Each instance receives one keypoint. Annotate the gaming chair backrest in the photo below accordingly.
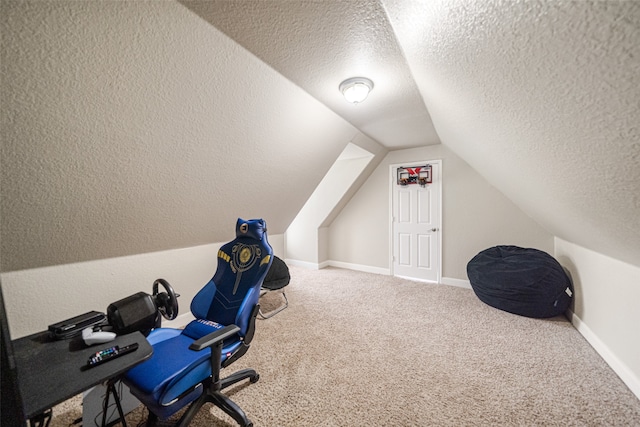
(232, 293)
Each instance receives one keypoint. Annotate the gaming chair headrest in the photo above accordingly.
(253, 228)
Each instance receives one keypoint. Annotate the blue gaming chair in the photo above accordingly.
(185, 366)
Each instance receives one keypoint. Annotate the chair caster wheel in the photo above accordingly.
(254, 379)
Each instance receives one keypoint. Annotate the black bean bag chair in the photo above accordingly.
(523, 281)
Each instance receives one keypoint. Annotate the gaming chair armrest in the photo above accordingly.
(214, 337)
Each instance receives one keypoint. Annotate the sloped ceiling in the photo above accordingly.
(106, 153)
(540, 97)
(318, 44)
(133, 127)
(543, 99)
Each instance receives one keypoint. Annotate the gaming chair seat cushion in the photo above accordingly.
(523, 281)
(156, 384)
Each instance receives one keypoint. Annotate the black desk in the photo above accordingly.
(50, 372)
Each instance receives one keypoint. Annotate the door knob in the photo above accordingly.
(434, 229)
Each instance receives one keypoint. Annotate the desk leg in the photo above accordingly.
(41, 420)
(111, 389)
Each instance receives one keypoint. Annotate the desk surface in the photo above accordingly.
(52, 371)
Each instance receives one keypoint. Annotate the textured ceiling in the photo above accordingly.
(318, 44)
(130, 127)
(540, 97)
(543, 99)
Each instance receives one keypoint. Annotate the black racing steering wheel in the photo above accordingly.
(167, 302)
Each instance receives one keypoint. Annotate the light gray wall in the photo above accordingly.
(605, 307)
(475, 216)
(303, 239)
(38, 297)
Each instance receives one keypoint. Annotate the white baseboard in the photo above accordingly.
(369, 269)
(359, 267)
(625, 374)
(339, 264)
(415, 279)
(304, 264)
(456, 282)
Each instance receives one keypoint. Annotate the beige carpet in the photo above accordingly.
(359, 349)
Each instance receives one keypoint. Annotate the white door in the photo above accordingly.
(416, 225)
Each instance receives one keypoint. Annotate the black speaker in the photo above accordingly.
(133, 313)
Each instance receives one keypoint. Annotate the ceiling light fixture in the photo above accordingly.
(356, 89)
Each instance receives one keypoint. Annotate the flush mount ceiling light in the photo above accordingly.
(356, 89)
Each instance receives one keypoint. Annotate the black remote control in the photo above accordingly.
(110, 354)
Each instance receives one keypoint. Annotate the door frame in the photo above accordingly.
(392, 182)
